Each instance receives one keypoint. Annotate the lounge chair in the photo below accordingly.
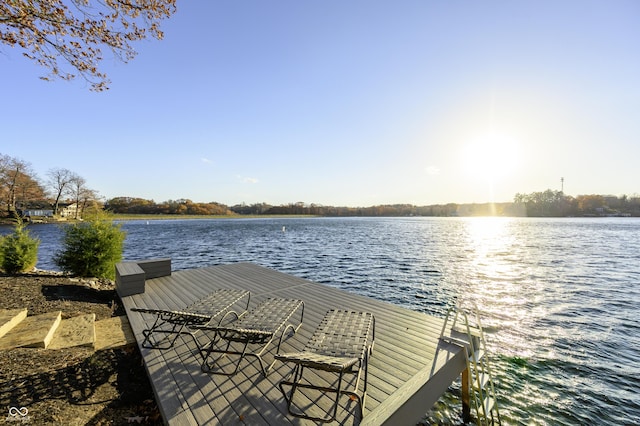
(253, 332)
(173, 323)
(342, 344)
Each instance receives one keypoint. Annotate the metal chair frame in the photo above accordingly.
(342, 344)
(173, 323)
(268, 321)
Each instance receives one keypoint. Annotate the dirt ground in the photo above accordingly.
(75, 386)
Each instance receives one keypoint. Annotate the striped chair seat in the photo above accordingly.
(270, 319)
(172, 323)
(342, 343)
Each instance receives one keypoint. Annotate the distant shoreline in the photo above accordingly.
(119, 217)
(127, 217)
(143, 217)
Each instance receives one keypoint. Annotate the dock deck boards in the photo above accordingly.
(409, 370)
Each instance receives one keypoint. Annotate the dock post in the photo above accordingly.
(466, 396)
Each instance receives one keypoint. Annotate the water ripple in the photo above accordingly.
(562, 293)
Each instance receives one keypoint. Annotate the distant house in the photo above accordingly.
(36, 215)
(69, 210)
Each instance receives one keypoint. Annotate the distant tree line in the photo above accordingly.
(301, 208)
(537, 204)
(551, 203)
(130, 205)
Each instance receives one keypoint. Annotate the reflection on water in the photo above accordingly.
(563, 293)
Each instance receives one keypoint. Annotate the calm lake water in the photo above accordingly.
(564, 294)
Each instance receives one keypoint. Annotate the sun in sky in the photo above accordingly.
(490, 158)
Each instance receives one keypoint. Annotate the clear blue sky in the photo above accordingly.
(352, 103)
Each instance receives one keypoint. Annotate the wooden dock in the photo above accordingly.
(409, 370)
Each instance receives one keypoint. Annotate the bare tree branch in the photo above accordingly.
(67, 37)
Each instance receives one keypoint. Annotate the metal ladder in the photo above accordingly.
(462, 326)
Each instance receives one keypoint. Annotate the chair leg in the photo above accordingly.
(297, 375)
(208, 367)
(148, 343)
(206, 352)
(208, 349)
(296, 384)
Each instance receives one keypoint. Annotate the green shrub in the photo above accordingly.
(19, 251)
(91, 248)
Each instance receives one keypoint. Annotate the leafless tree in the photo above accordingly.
(60, 181)
(77, 188)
